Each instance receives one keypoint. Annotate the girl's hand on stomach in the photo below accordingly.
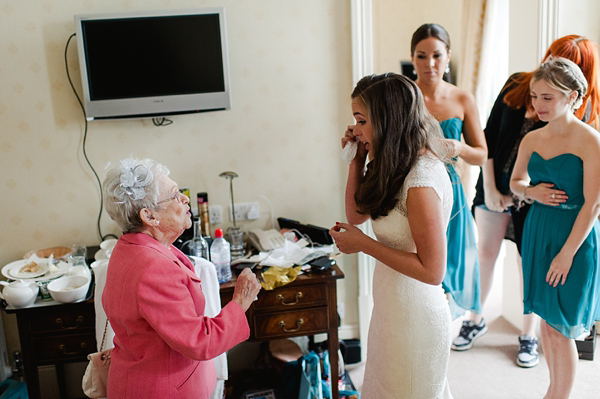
(545, 194)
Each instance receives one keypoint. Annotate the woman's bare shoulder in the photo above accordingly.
(535, 137)
(463, 97)
(588, 139)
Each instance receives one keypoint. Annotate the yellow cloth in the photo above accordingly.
(276, 276)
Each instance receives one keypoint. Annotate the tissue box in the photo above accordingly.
(586, 346)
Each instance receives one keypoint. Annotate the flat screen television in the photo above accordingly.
(153, 64)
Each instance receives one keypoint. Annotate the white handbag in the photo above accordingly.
(95, 379)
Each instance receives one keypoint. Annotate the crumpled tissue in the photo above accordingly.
(349, 151)
(287, 256)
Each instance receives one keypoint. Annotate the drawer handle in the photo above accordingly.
(79, 320)
(298, 324)
(297, 297)
(62, 348)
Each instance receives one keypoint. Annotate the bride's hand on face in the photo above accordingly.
(348, 238)
(361, 152)
(348, 135)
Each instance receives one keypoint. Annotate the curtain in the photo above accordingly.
(483, 68)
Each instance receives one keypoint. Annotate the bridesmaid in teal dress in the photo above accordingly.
(456, 111)
(462, 276)
(558, 169)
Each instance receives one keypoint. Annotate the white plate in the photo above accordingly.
(61, 269)
(15, 270)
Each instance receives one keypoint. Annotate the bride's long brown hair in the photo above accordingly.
(402, 129)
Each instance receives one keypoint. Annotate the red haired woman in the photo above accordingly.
(495, 209)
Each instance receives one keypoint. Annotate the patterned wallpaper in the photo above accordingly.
(290, 66)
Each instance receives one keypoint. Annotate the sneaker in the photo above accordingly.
(528, 351)
(468, 333)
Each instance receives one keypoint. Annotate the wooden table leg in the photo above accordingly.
(332, 340)
(334, 362)
(61, 379)
(29, 367)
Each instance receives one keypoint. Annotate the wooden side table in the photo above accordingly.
(65, 333)
(306, 306)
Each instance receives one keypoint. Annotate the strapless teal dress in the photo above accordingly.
(462, 272)
(573, 307)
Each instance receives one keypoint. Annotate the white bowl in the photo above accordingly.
(69, 288)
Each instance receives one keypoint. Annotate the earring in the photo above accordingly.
(447, 70)
(414, 71)
(157, 223)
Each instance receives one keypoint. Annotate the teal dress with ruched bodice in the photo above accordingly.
(573, 307)
(462, 271)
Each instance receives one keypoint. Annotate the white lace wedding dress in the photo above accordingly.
(409, 334)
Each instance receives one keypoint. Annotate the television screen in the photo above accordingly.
(152, 64)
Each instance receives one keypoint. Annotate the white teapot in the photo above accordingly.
(19, 294)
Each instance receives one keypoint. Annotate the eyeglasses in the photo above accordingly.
(176, 197)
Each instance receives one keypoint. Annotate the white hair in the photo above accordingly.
(130, 187)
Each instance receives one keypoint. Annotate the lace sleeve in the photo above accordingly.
(427, 172)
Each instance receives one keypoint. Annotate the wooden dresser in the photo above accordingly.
(306, 306)
(65, 333)
(55, 335)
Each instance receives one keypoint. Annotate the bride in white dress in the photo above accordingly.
(406, 192)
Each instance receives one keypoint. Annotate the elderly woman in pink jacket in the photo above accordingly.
(164, 345)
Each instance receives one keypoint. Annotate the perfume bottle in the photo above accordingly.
(203, 214)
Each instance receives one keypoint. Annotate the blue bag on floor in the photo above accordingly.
(326, 376)
(310, 377)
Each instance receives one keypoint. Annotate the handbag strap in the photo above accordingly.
(104, 336)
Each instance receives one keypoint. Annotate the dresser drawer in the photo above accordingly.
(290, 323)
(59, 319)
(286, 298)
(66, 347)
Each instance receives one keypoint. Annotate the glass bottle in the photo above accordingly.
(198, 246)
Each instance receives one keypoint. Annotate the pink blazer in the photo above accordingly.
(163, 343)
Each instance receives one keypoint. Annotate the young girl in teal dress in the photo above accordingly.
(456, 112)
(558, 169)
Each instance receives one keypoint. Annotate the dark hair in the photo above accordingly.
(429, 30)
(402, 128)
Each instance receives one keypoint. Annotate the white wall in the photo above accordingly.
(395, 21)
(579, 17)
(291, 81)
